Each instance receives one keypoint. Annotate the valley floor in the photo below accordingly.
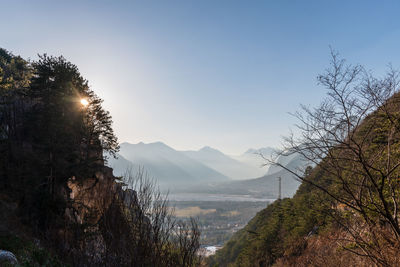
(218, 219)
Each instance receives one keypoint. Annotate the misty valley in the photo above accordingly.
(222, 191)
(199, 133)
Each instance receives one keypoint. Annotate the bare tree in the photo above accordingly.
(352, 138)
(142, 230)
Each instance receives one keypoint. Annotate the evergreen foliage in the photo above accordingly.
(53, 134)
(46, 135)
(278, 229)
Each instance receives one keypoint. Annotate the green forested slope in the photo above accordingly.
(347, 206)
(278, 228)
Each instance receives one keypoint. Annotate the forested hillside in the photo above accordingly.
(277, 231)
(346, 210)
(59, 204)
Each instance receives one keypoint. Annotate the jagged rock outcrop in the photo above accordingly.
(90, 197)
(96, 205)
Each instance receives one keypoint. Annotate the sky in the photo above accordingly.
(225, 74)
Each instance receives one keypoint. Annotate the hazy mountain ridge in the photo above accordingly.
(208, 170)
(175, 170)
(262, 187)
(168, 166)
(225, 164)
(254, 157)
(294, 160)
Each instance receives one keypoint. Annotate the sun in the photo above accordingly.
(84, 102)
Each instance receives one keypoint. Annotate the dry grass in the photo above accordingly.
(231, 213)
(193, 211)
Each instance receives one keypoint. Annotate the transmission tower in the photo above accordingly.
(280, 187)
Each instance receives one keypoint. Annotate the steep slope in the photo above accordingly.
(327, 222)
(167, 166)
(224, 164)
(59, 204)
(280, 228)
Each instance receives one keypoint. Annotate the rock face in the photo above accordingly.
(7, 257)
(90, 197)
(92, 203)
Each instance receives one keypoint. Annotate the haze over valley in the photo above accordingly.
(208, 170)
(223, 191)
(199, 133)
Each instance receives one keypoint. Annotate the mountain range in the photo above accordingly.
(243, 167)
(166, 165)
(207, 170)
(266, 186)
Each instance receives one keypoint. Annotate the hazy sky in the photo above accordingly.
(193, 73)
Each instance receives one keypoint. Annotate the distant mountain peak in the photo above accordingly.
(158, 143)
(262, 150)
(250, 151)
(125, 144)
(208, 148)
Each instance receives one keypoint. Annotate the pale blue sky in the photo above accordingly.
(193, 73)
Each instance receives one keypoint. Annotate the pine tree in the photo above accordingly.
(72, 136)
(15, 74)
